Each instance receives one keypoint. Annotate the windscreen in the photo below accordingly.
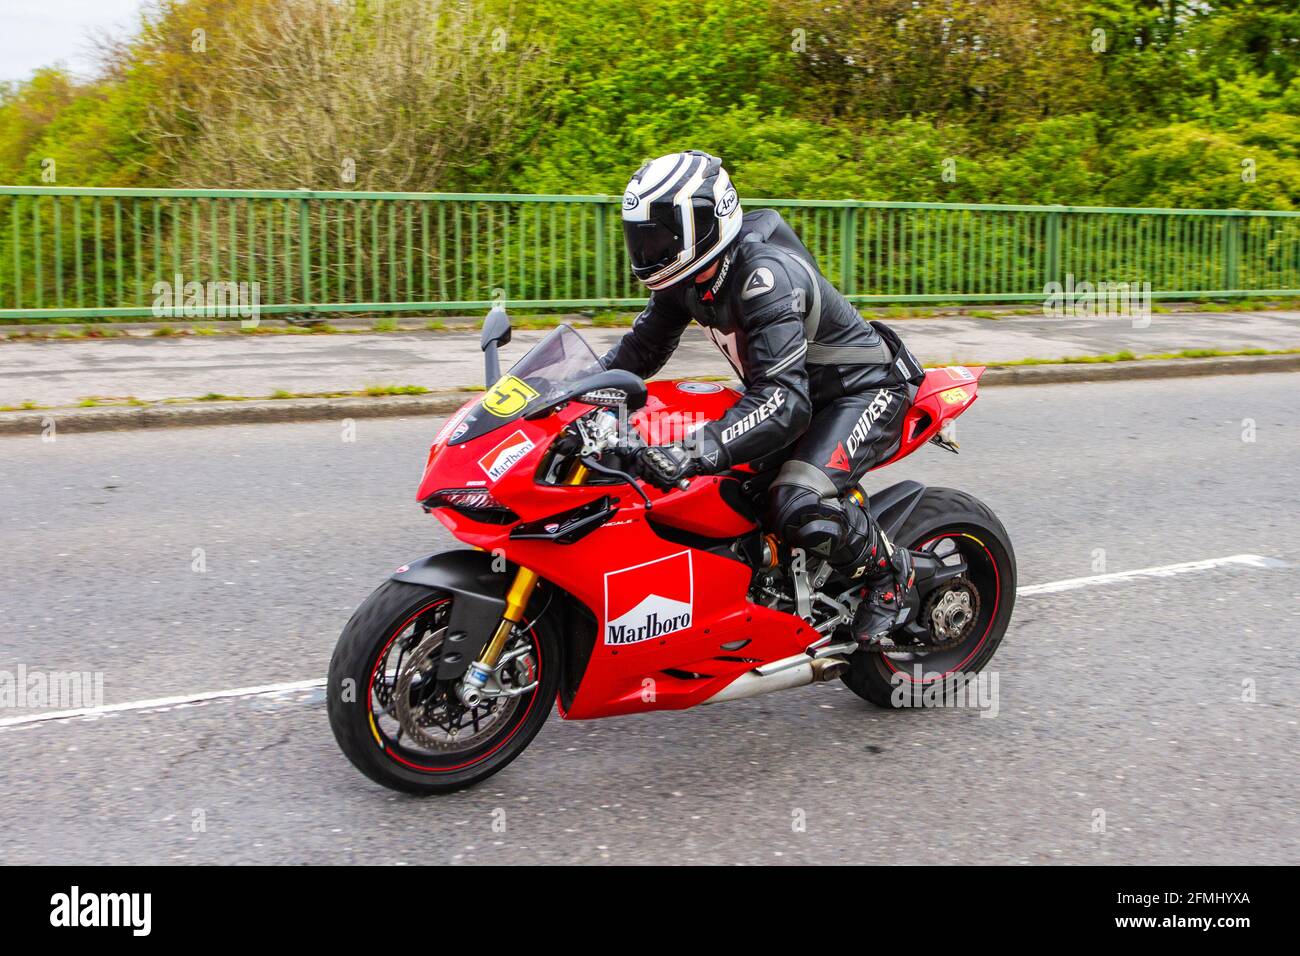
(560, 358)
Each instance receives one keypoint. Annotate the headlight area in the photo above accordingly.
(477, 504)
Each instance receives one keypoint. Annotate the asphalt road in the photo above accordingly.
(1124, 698)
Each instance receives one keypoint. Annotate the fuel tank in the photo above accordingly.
(673, 409)
(713, 506)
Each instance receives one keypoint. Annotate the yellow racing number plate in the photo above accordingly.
(954, 396)
(508, 396)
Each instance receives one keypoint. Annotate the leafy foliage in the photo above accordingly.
(1133, 102)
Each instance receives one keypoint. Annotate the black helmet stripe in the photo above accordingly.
(651, 193)
(670, 183)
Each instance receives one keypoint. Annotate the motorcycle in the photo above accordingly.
(585, 586)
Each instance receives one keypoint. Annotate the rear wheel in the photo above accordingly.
(405, 729)
(973, 610)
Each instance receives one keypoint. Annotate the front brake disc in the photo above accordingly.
(430, 715)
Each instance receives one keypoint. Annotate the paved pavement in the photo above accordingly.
(1123, 698)
(63, 373)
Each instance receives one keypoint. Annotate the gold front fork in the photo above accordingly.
(517, 598)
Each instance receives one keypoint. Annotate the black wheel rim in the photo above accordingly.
(481, 731)
(982, 572)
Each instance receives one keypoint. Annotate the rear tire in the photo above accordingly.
(961, 518)
(385, 616)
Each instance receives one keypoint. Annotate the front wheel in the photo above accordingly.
(405, 729)
(951, 526)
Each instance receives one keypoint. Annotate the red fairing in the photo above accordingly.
(944, 394)
(674, 624)
(674, 409)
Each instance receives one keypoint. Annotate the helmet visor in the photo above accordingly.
(653, 243)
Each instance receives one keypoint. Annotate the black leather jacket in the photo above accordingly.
(795, 342)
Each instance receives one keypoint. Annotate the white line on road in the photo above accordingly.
(163, 702)
(1163, 571)
(1051, 587)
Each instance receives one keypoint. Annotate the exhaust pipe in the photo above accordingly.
(794, 671)
(752, 683)
(828, 668)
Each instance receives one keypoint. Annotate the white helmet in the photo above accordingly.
(680, 212)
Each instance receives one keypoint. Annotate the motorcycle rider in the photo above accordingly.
(824, 391)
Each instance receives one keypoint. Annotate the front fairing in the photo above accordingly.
(561, 357)
(504, 462)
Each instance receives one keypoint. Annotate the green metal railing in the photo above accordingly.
(81, 253)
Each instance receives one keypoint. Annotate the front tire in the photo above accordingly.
(386, 718)
(946, 521)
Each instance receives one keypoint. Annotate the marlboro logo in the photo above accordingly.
(506, 455)
(649, 600)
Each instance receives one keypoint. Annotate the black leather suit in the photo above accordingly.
(824, 390)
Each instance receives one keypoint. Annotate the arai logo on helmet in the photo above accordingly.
(726, 205)
(630, 200)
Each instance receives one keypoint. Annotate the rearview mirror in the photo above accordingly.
(496, 332)
(496, 328)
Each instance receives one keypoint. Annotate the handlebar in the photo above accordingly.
(617, 379)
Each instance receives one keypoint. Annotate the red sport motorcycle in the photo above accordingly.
(587, 587)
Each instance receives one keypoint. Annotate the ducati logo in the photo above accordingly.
(506, 455)
(649, 600)
(452, 428)
(759, 281)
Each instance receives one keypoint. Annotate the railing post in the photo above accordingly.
(848, 248)
(1231, 252)
(1053, 264)
(600, 250)
(304, 246)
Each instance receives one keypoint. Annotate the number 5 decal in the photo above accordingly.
(508, 396)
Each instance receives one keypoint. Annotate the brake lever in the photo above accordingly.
(605, 470)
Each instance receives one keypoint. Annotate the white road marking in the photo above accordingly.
(162, 703)
(265, 690)
(1163, 571)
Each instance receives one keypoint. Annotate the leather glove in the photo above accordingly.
(665, 465)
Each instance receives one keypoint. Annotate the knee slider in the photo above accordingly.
(860, 543)
(805, 520)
